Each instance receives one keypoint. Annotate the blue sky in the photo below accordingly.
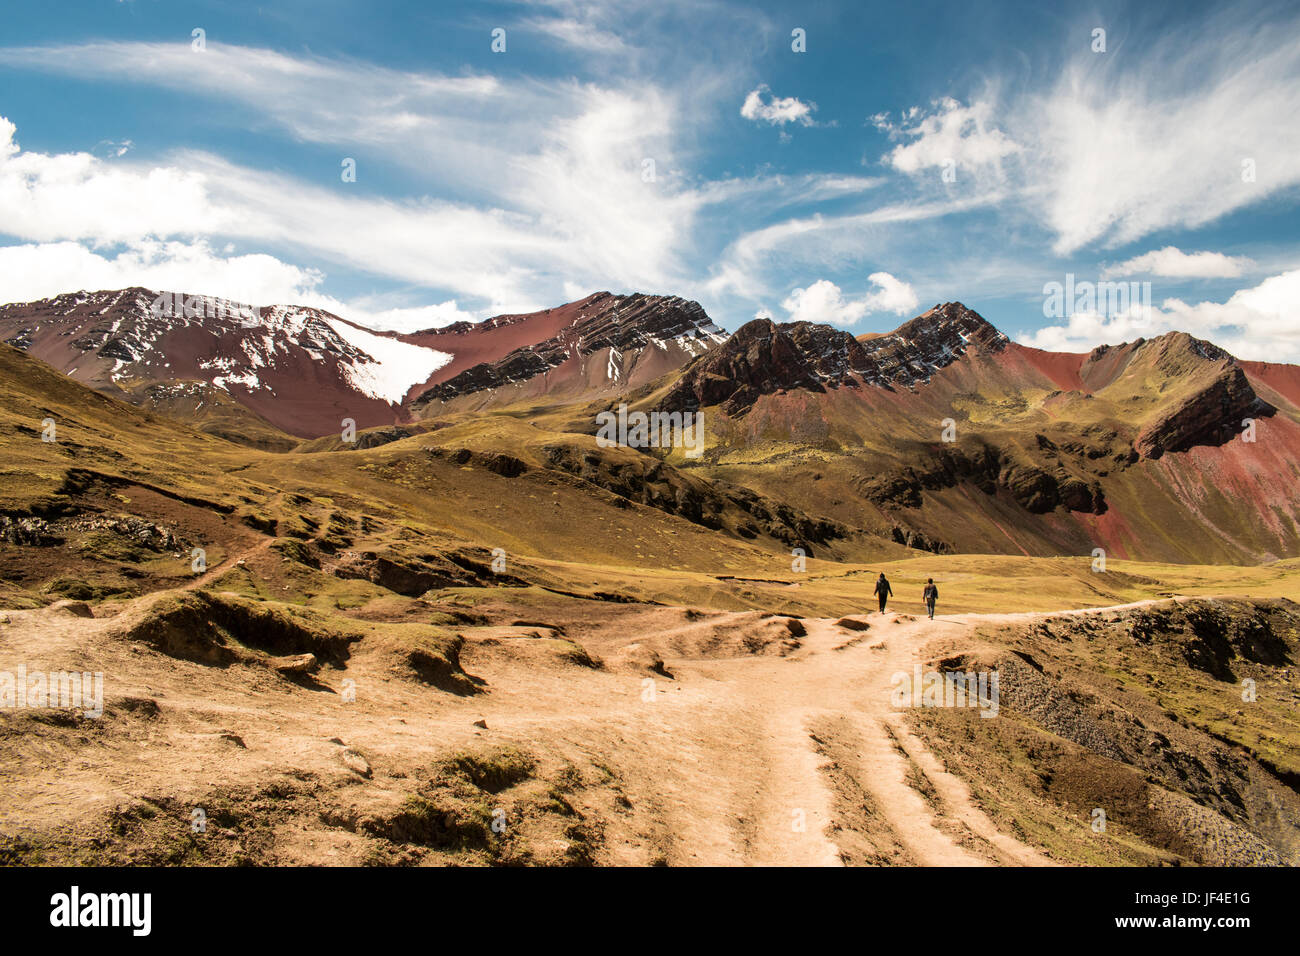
(910, 154)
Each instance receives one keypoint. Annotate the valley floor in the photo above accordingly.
(587, 732)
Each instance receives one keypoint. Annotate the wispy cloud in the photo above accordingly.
(1174, 135)
(577, 34)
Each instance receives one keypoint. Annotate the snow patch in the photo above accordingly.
(247, 379)
(395, 366)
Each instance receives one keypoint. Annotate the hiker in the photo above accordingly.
(883, 591)
(929, 596)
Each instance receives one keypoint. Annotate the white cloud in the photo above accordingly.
(1261, 323)
(574, 291)
(776, 110)
(1083, 331)
(893, 295)
(546, 175)
(408, 319)
(948, 134)
(1117, 146)
(37, 271)
(1174, 263)
(824, 301)
(78, 196)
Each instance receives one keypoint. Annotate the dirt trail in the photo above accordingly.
(836, 744)
(754, 759)
(232, 561)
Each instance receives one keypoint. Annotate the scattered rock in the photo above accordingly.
(235, 739)
(481, 723)
(354, 761)
(852, 624)
(294, 664)
(29, 531)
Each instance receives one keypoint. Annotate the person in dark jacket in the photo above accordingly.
(883, 591)
(929, 596)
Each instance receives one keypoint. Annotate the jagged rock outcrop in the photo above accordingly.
(919, 540)
(764, 357)
(1035, 488)
(914, 351)
(1211, 415)
(712, 504)
(620, 324)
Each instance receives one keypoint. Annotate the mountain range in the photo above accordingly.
(942, 435)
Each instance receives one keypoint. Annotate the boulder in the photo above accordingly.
(73, 608)
(294, 664)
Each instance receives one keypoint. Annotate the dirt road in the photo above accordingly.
(799, 759)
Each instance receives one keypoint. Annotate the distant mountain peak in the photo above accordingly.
(943, 321)
(764, 357)
(601, 341)
(1169, 345)
(302, 369)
